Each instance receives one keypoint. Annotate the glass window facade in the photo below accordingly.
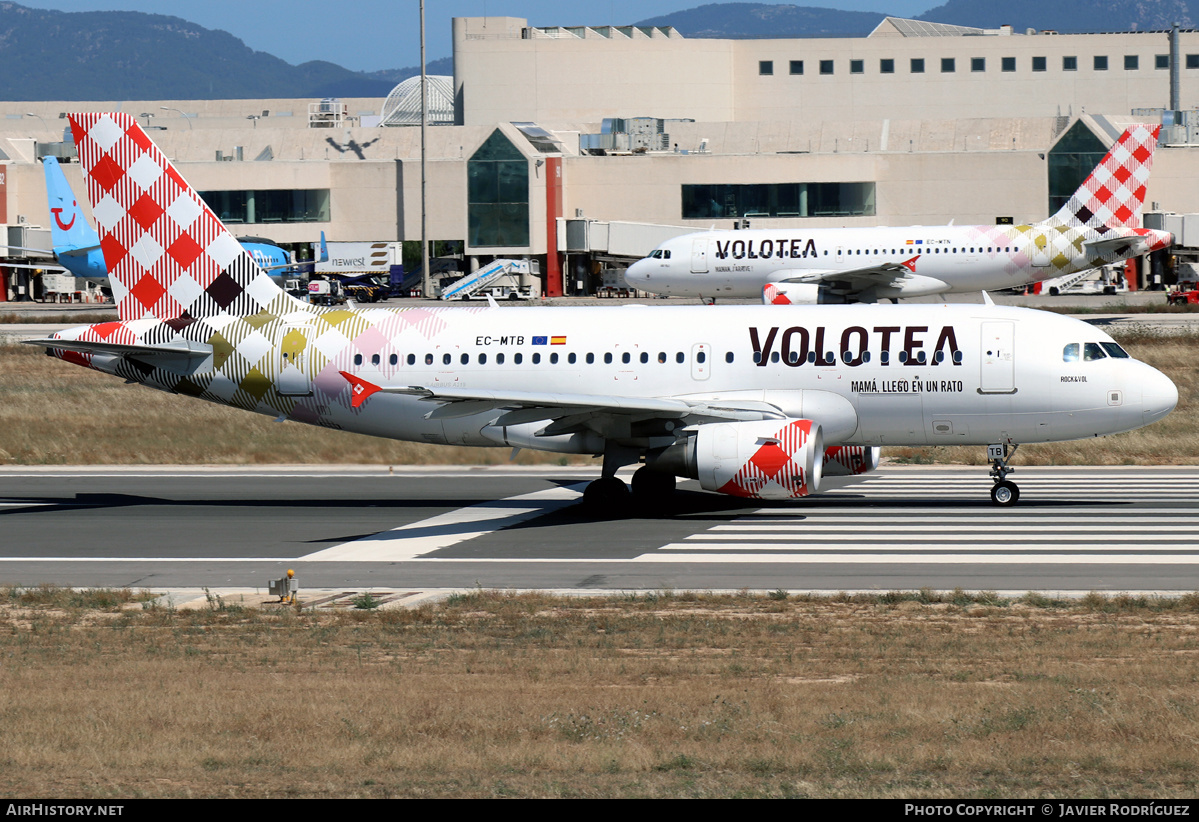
(1071, 160)
(497, 195)
(304, 205)
(706, 202)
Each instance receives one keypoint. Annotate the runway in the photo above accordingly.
(1075, 530)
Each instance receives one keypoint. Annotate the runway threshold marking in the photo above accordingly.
(417, 538)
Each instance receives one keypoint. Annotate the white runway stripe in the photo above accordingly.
(925, 559)
(412, 540)
(883, 533)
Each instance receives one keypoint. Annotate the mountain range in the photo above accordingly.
(121, 55)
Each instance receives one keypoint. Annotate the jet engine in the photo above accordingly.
(768, 459)
(850, 460)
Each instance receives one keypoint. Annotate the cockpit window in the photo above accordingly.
(1092, 351)
(1114, 350)
(1070, 353)
(656, 254)
(666, 254)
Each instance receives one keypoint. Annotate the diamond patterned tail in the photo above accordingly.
(167, 254)
(1112, 196)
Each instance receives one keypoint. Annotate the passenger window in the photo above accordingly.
(465, 359)
(884, 357)
(428, 359)
(482, 359)
(1070, 353)
(679, 357)
(701, 357)
(957, 357)
(661, 356)
(811, 357)
(446, 359)
(393, 359)
(1092, 351)
(625, 357)
(499, 359)
(608, 358)
(517, 358)
(412, 359)
(793, 357)
(537, 358)
(757, 357)
(773, 357)
(374, 359)
(554, 359)
(570, 358)
(728, 357)
(644, 356)
(1114, 350)
(357, 359)
(590, 359)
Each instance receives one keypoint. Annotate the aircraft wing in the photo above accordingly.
(178, 348)
(858, 278)
(568, 411)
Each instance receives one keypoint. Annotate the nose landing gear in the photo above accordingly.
(1004, 492)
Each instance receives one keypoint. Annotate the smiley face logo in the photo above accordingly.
(57, 212)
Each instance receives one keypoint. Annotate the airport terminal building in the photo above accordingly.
(583, 147)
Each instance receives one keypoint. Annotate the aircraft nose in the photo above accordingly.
(635, 274)
(1158, 395)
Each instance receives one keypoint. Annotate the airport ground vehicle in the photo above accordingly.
(1187, 293)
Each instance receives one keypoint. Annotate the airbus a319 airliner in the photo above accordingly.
(1100, 224)
(753, 401)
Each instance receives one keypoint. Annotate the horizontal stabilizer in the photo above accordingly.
(177, 348)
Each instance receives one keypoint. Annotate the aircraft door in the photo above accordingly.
(699, 256)
(701, 361)
(1040, 249)
(998, 360)
(293, 362)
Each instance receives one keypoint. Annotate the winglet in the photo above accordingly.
(360, 389)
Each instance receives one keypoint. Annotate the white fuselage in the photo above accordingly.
(935, 259)
(869, 374)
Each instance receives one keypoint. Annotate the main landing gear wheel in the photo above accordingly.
(606, 495)
(652, 489)
(1005, 493)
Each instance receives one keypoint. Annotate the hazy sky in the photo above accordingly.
(367, 35)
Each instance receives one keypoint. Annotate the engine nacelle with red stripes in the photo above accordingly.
(768, 459)
(850, 460)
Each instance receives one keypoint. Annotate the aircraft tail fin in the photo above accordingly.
(1114, 193)
(69, 229)
(168, 256)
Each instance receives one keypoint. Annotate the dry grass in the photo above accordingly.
(54, 413)
(664, 695)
